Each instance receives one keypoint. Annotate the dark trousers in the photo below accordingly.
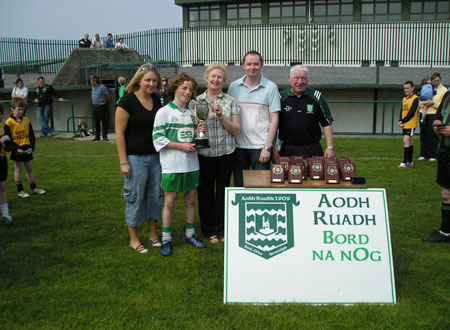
(215, 175)
(305, 151)
(428, 139)
(246, 159)
(100, 116)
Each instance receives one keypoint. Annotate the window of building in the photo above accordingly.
(333, 11)
(244, 14)
(208, 15)
(429, 10)
(381, 11)
(287, 12)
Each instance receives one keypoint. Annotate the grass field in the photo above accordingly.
(65, 263)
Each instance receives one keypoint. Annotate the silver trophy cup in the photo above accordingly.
(201, 109)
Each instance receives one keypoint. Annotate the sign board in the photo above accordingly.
(316, 246)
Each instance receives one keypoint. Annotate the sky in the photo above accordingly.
(71, 19)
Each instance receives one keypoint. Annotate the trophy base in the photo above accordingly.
(202, 143)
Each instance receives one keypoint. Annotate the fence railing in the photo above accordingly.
(396, 43)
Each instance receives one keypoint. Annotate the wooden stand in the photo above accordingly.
(261, 179)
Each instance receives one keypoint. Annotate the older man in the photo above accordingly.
(100, 96)
(303, 112)
(85, 42)
(259, 103)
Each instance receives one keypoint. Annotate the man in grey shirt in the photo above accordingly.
(100, 96)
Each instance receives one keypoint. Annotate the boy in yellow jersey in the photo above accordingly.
(408, 122)
(20, 131)
(7, 219)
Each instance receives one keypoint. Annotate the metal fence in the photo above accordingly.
(355, 44)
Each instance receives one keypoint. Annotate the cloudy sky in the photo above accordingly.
(70, 19)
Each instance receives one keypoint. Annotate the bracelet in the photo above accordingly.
(330, 147)
(123, 163)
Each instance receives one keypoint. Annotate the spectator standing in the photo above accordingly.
(139, 161)
(428, 138)
(20, 91)
(216, 162)
(442, 128)
(100, 96)
(163, 95)
(44, 100)
(109, 43)
(2, 77)
(122, 81)
(259, 103)
(85, 42)
(4, 207)
(120, 44)
(96, 42)
(408, 122)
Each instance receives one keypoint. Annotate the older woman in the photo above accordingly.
(139, 161)
(20, 91)
(216, 162)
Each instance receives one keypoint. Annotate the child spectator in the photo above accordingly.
(426, 93)
(408, 122)
(7, 219)
(20, 131)
(173, 138)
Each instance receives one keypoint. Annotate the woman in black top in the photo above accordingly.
(139, 161)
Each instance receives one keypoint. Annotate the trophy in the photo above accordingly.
(201, 109)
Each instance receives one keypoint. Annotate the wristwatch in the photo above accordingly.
(269, 149)
(330, 147)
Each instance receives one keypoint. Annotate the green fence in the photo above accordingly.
(354, 44)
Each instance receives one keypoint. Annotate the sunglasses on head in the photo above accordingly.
(149, 67)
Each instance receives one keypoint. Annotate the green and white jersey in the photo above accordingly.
(175, 125)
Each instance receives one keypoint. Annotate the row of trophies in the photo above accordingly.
(297, 168)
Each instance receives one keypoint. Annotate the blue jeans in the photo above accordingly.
(142, 192)
(43, 115)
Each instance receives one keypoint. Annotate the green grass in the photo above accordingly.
(65, 263)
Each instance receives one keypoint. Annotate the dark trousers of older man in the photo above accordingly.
(428, 139)
(101, 116)
(246, 159)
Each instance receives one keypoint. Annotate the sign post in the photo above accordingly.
(315, 246)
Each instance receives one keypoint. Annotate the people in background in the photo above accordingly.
(216, 162)
(44, 100)
(100, 97)
(96, 42)
(408, 122)
(20, 132)
(122, 81)
(163, 95)
(85, 42)
(4, 139)
(442, 129)
(120, 44)
(2, 77)
(20, 91)
(428, 138)
(259, 102)
(139, 161)
(304, 114)
(173, 138)
(109, 43)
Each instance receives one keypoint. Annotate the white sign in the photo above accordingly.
(307, 246)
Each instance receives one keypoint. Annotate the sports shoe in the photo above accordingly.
(436, 237)
(38, 191)
(96, 139)
(7, 219)
(166, 248)
(432, 159)
(105, 139)
(195, 241)
(410, 164)
(421, 158)
(23, 194)
(402, 165)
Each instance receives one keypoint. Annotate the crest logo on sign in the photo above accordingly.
(266, 226)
